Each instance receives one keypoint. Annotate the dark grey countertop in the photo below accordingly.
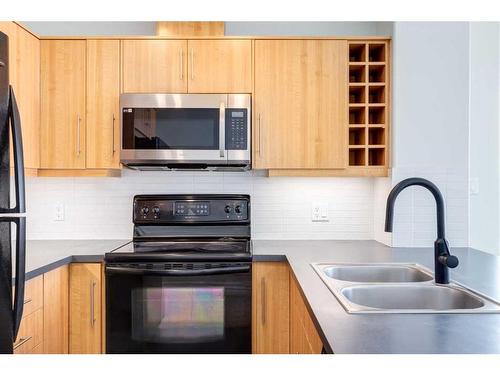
(45, 255)
(342, 332)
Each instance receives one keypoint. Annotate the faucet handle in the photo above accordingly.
(451, 261)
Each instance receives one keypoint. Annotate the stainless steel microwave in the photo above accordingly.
(186, 131)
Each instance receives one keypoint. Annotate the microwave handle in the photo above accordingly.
(222, 129)
(210, 271)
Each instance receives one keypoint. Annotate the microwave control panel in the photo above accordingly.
(236, 129)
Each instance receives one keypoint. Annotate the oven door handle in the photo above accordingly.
(210, 271)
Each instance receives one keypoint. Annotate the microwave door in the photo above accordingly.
(176, 135)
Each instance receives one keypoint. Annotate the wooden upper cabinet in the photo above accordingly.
(24, 76)
(270, 301)
(62, 141)
(85, 326)
(155, 66)
(103, 94)
(220, 66)
(300, 108)
(27, 91)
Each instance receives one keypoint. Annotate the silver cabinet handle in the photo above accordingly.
(181, 70)
(22, 340)
(78, 120)
(192, 64)
(113, 134)
(259, 137)
(2, 64)
(222, 129)
(263, 302)
(92, 309)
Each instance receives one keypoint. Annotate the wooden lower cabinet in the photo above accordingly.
(270, 318)
(85, 326)
(30, 333)
(280, 321)
(56, 310)
(304, 338)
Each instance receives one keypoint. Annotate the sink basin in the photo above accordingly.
(398, 288)
(377, 273)
(412, 297)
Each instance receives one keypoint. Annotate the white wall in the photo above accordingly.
(484, 135)
(281, 207)
(304, 28)
(44, 28)
(430, 128)
(231, 28)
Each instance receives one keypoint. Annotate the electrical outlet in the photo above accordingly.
(59, 212)
(319, 211)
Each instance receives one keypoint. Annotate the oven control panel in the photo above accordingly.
(236, 129)
(176, 209)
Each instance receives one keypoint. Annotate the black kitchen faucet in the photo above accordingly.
(442, 257)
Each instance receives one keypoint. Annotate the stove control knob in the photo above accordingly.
(145, 210)
(237, 209)
(227, 209)
(156, 210)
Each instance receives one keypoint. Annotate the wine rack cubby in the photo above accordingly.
(368, 103)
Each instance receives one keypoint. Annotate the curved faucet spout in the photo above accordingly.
(416, 181)
(442, 257)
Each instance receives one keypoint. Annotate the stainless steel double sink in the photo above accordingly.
(399, 288)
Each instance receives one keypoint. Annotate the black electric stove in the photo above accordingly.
(183, 285)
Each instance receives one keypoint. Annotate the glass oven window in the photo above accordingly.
(177, 314)
(171, 128)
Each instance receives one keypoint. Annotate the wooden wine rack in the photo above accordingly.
(368, 98)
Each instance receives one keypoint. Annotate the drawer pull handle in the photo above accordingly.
(27, 301)
(22, 340)
(113, 149)
(92, 309)
(78, 148)
(263, 294)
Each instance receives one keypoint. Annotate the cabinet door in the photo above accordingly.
(24, 76)
(85, 308)
(56, 311)
(62, 141)
(270, 308)
(155, 66)
(27, 91)
(300, 112)
(304, 338)
(220, 66)
(103, 95)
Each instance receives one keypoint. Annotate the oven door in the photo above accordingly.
(178, 308)
(173, 128)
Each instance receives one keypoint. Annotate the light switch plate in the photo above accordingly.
(59, 212)
(319, 211)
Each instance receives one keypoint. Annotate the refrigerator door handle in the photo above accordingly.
(17, 311)
(17, 212)
(17, 142)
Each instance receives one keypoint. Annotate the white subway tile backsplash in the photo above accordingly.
(281, 207)
(101, 208)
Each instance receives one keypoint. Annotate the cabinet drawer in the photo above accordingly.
(30, 333)
(33, 295)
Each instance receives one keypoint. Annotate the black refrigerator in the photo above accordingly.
(12, 211)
